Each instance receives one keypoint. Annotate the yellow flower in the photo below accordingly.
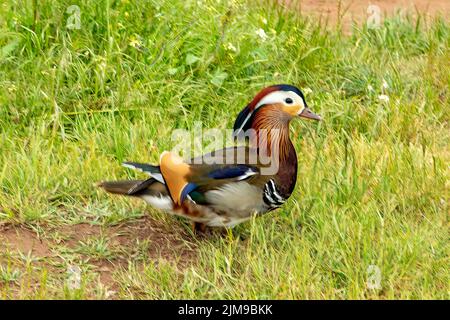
(134, 42)
(12, 88)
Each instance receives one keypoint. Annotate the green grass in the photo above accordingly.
(373, 176)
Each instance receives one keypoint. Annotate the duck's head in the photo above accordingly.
(278, 102)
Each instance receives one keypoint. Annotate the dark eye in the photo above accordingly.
(288, 100)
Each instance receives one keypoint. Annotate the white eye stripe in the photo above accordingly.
(302, 103)
(280, 97)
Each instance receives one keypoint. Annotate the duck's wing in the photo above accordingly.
(196, 179)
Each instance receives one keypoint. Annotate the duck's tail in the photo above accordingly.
(137, 187)
(120, 187)
(152, 190)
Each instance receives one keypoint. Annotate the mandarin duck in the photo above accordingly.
(229, 186)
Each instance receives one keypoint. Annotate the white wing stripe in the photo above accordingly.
(247, 174)
(157, 176)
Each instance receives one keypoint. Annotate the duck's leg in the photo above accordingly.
(198, 227)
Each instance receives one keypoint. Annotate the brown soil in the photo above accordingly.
(22, 240)
(347, 11)
(171, 243)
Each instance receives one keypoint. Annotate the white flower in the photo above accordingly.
(102, 65)
(264, 20)
(385, 85)
(230, 47)
(383, 98)
(307, 91)
(261, 34)
(370, 88)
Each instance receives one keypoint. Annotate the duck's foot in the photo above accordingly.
(202, 230)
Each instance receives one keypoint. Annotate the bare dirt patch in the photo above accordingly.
(168, 243)
(18, 238)
(142, 240)
(345, 12)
